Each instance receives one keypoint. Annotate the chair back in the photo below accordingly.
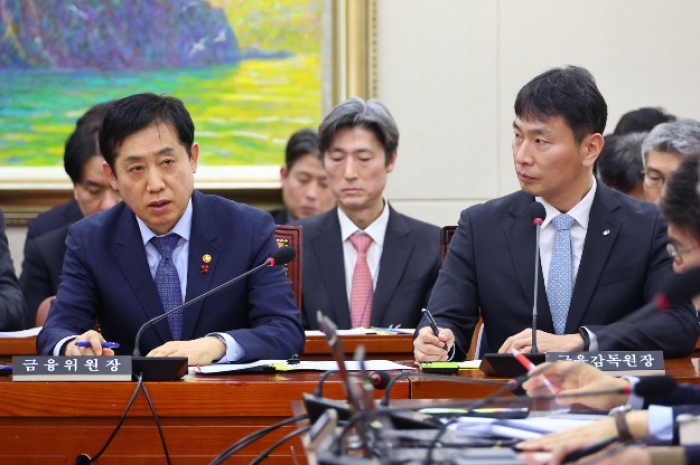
(291, 236)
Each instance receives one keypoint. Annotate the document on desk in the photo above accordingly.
(525, 428)
(283, 365)
(364, 331)
(23, 333)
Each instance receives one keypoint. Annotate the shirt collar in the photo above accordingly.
(376, 230)
(580, 213)
(182, 228)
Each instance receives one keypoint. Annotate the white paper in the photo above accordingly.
(469, 365)
(24, 333)
(363, 331)
(370, 365)
(523, 428)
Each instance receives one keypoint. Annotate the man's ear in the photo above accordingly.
(592, 146)
(392, 162)
(110, 175)
(284, 172)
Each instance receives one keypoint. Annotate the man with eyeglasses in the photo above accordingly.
(680, 207)
(663, 150)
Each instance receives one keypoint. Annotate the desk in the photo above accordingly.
(54, 422)
(377, 347)
(683, 370)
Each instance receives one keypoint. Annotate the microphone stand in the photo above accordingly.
(168, 368)
(538, 224)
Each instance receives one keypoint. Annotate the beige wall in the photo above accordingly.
(449, 71)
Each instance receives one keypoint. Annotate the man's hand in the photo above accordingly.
(578, 378)
(430, 348)
(94, 338)
(200, 351)
(546, 342)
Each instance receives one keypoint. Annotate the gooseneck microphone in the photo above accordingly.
(538, 214)
(280, 257)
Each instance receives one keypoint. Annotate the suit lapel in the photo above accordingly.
(603, 229)
(395, 257)
(131, 258)
(328, 252)
(203, 241)
(520, 237)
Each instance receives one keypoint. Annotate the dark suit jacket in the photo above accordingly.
(490, 261)
(11, 300)
(106, 277)
(41, 269)
(59, 216)
(281, 216)
(407, 271)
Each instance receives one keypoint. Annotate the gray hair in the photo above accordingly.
(679, 137)
(355, 112)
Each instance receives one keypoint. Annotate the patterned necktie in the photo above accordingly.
(561, 273)
(168, 282)
(362, 291)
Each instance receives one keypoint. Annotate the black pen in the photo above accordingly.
(586, 451)
(433, 324)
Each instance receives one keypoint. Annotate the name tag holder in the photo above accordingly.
(65, 368)
(617, 363)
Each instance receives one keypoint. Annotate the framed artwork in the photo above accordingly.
(250, 73)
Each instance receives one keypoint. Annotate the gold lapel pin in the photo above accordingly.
(206, 258)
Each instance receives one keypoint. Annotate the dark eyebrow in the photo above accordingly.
(537, 131)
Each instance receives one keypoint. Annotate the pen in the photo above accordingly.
(524, 361)
(105, 344)
(433, 324)
(586, 451)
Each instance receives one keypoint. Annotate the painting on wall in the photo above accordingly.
(249, 72)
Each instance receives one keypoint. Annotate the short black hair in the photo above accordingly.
(355, 112)
(136, 112)
(642, 120)
(620, 162)
(680, 204)
(570, 93)
(302, 142)
(83, 143)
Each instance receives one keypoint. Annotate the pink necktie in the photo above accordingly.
(362, 292)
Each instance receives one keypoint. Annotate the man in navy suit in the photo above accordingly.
(606, 259)
(166, 244)
(43, 254)
(364, 263)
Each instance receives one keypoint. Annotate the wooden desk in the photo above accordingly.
(16, 346)
(683, 370)
(377, 346)
(52, 423)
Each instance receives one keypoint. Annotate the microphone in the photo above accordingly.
(654, 386)
(505, 365)
(379, 379)
(166, 368)
(538, 214)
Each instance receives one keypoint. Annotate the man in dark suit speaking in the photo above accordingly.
(603, 254)
(164, 245)
(364, 263)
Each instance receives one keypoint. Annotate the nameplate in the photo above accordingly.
(63, 368)
(618, 363)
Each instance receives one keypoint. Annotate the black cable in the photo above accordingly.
(155, 417)
(361, 415)
(252, 437)
(407, 374)
(119, 423)
(318, 392)
(270, 449)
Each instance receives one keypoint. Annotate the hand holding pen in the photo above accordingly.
(90, 343)
(433, 325)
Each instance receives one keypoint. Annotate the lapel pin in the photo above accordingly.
(606, 232)
(206, 258)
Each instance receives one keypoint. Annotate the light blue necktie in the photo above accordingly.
(561, 273)
(168, 282)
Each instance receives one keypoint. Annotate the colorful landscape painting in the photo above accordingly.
(248, 71)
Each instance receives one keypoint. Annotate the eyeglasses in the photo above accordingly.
(653, 178)
(677, 254)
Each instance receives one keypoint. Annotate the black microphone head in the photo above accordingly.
(379, 379)
(683, 287)
(536, 210)
(283, 255)
(654, 386)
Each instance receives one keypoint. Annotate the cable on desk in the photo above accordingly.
(270, 449)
